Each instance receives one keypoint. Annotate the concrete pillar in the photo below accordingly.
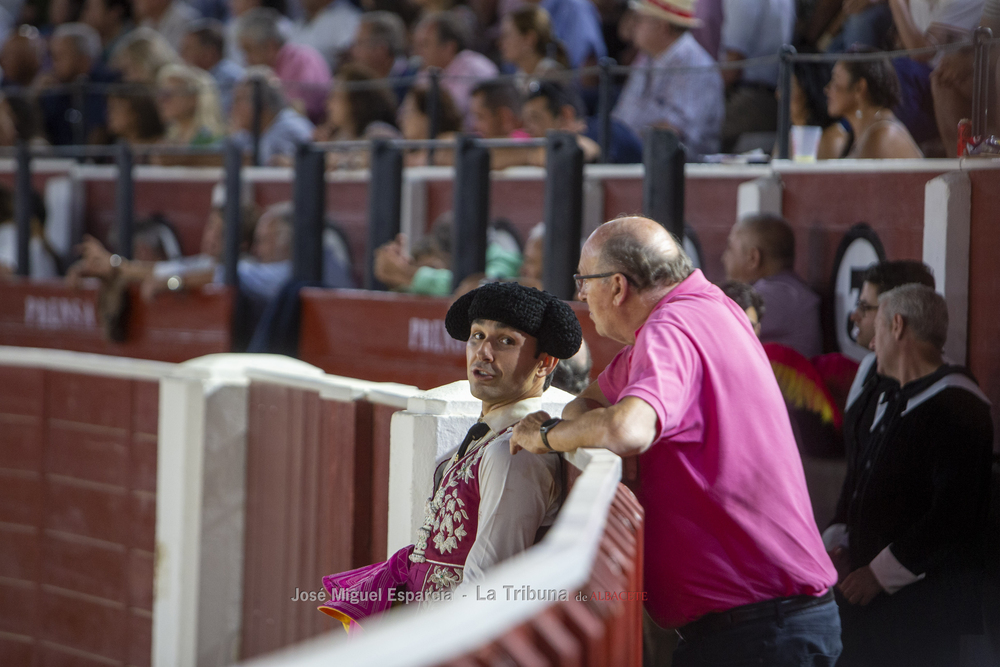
(947, 216)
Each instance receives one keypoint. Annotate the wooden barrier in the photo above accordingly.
(78, 460)
(588, 567)
(317, 497)
(174, 327)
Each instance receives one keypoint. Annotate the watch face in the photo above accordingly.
(550, 423)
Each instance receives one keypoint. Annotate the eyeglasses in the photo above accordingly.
(579, 278)
(863, 308)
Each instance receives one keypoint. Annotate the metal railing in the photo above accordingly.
(123, 155)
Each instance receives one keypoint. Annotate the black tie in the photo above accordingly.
(478, 430)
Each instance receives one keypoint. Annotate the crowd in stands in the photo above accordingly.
(187, 73)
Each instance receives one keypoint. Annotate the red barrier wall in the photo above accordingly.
(174, 327)
(317, 503)
(709, 208)
(77, 518)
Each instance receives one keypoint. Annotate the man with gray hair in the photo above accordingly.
(75, 49)
(282, 127)
(304, 73)
(733, 559)
(915, 501)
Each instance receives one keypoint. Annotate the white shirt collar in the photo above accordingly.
(509, 415)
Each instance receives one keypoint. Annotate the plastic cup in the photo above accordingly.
(805, 142)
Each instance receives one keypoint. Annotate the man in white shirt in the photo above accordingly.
(328, 26)
(752, 29)
(487, 504)
(675, 84)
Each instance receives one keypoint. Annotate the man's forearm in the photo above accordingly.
(613, 428)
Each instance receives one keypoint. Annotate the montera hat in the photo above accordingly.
(678, 12)
(536, 313)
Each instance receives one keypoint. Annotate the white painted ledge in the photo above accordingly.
(82, 362)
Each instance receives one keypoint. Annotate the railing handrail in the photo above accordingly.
(561, 561)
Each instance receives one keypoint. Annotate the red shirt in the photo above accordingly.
(728, 517)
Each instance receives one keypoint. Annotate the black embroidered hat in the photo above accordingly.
(536, 313)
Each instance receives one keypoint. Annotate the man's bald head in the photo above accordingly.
(641, 249)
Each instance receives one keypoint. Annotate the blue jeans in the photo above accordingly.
(806, 638)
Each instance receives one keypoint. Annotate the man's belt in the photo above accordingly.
(717, 622)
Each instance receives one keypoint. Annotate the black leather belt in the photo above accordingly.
(716, 622)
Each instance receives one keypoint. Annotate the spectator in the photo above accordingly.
(20, 120)
(140, 55)
(752, 29)
(415, 124)
(41, 257)
(747, 298)
(577, 25)
(328, 26)
(760, 251)
(864, 93)
(951, 87)
(134, 117)
(167, 17)
(693, 394)
(356, 112)
(690, 102)
(919, 24)
(189, 106)
(554, 106)
(380, 45)
(868, 386)
(808, 106)
(282, 127)
(237, 9)
(302, 70)
(155, 271)
(112, 19)
(533, 261)
(76, 51)
(428, 270)
(526, 41)
(21, 58)
(495, 109)
(439, 40)
(270, 266)
(61, 12)
(855, 23)
(204, 47)
(911, 521)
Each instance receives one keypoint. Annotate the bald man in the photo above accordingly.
(760, 251)
(733, 558)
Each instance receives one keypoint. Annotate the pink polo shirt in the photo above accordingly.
(728, 517)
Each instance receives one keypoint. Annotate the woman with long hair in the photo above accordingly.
(528, 43)
(188, 101)
(864, 92)
(133, 116)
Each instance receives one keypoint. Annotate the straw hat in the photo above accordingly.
(678, 12)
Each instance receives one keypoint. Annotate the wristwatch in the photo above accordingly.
(545, 428)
